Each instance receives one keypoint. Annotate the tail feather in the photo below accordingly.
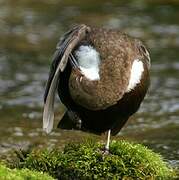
(66, 123)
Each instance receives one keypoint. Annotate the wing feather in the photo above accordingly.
(60, 59)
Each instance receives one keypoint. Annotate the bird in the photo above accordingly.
(101, 76)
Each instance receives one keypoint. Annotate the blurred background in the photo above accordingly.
(29, 31)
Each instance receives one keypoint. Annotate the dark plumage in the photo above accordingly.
(100, 104)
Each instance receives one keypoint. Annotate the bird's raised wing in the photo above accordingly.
(64, 48)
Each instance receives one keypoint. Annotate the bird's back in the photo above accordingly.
(107, 102)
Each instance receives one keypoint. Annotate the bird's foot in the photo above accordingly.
(106, 147)
(105, 151)
(75, 119)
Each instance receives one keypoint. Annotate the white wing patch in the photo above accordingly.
(136, 74)
(91, 73)
(89, 60)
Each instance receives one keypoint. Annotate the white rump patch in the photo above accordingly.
(136, 74)
(89, 60)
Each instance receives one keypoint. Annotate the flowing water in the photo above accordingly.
(29, 31)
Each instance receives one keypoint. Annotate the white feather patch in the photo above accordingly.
(136, 74)
(89, 60)
(91, 73)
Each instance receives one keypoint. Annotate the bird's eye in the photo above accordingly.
(88, 30)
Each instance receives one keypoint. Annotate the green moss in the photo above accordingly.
(87, 161)
(21, 174)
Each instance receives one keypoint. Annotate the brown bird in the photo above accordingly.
(101, 76)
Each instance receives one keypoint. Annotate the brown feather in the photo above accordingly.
(117, 52)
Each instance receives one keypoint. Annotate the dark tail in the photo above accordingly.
(66, 122)
(118, 125)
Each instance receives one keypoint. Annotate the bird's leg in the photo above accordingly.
(106, 148)
(75, 119)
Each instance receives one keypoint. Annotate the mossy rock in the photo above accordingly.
(21, 174)
(87, 161)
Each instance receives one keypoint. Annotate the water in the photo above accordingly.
(29, 31)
